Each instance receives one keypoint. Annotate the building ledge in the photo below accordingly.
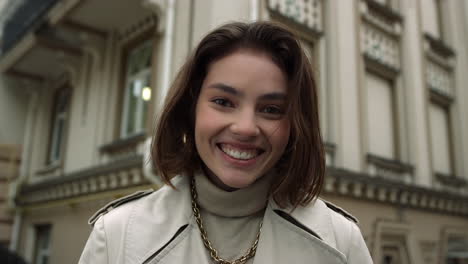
(440, 97)
(376, 189)
(123, 144)
(439, 46)
(450, 180)
(120, 174)
(389, 164)
(384, 11)
(379, 67)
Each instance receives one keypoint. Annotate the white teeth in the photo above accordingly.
(239, 154)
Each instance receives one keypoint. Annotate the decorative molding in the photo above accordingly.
(143, 25)
(25, 75)
(389, 14)
(390, 172)
(159, 8)
(50, 168)
(58, 45)
(308, 14)
(381, 69)
(380, 46)
(439, 98)
(116, 175)
(123, 144)
(438, 78)
(450, 180)
(439, 46)
(83, 28)
(380, 37)
(389, 164)
(390, 233)
(363, 186)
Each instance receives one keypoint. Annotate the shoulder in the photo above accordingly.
(144, 201)
(340, 211)
(137, 224)
(117, 203)
(328, 221)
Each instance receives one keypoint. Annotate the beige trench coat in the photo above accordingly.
(160, 228)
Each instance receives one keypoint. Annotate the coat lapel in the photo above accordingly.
(284, 242)
(156, 221)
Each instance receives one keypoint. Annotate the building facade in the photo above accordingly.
(93, 75)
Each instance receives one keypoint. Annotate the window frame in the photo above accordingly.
(41, 252)
(126, 80)
(59, 93)
(445, 104)
(394, 118)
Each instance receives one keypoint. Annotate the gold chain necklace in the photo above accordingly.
(213, 252)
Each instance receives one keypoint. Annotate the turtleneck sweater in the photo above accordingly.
(232, 219)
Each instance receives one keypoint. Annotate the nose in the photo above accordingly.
(245, 125)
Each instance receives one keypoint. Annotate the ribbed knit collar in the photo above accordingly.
(239, 203)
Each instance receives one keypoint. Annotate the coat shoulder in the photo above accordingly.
(118, 202)
(341, 211)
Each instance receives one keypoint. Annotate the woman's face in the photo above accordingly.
(241, 129)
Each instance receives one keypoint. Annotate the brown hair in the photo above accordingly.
(302, 166)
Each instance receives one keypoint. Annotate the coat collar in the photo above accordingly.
(314, 216)
(171, 210)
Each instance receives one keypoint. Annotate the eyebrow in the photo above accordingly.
(231, 90)
(226, 88)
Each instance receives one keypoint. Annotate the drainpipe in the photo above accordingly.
(169, 23)
(24, 168)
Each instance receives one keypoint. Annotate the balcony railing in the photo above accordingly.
(27, 17)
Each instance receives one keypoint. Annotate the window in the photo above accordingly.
(380, 116)
(456, 249)
(440, 139)
(137, 90)
(431, 17)
(42, 246)
(59, 124)
(391, 243)
(391, 255)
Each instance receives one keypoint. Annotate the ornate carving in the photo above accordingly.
(362, 186)
(380, 46)
(438, 78)
(100, 179)
(306, 12)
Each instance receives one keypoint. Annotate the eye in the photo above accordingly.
(222, 102)
(273, 110)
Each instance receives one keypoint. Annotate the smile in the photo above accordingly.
(240, 154)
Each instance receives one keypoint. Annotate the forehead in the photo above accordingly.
(247, 70)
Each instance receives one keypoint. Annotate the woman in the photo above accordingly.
(240, 128)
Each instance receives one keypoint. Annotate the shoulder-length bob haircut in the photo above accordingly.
(301, 169)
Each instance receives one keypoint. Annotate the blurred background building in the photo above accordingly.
(81, 82)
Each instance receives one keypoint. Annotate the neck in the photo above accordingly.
(239, 202)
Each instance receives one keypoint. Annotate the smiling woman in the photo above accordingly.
(238, 145)
(241, 130)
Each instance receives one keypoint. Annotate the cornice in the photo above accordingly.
(128, 173)
(376, 189)
(118, 174)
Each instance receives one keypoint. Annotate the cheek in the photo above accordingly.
(206, 122)
(280, 136)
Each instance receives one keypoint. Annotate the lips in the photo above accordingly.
(244, 153)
